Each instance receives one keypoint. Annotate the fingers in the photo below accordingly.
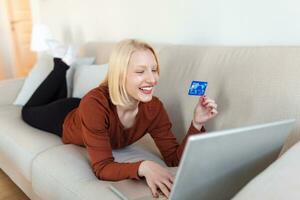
(168, 184)
(164, 185)
(211, 105)
(207, 100)
(213, 112)
(163, 188)
(158, 178)
(208, 103)
(171, 179)
(153, 189)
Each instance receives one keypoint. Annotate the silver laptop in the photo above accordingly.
(215, 166)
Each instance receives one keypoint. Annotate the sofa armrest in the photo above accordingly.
(279, 181)
(9, 90)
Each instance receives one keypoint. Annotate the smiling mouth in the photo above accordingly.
(146, 90)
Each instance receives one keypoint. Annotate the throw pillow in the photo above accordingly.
(87, 78)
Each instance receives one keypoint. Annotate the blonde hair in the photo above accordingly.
(117, 69)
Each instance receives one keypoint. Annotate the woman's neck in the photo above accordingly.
(127, 114)
(128, 108)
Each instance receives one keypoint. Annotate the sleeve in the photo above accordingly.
(165, 140)
(95, 123)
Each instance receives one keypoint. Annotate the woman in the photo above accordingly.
(116, 114)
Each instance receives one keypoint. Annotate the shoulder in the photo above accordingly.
(96, 98)
(99, 94)
(94, 110)
(100, 91)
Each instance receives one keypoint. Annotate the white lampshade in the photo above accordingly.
(40, 34)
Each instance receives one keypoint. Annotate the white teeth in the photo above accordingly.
(147, 88)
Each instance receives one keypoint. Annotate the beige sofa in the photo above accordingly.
(250, 84)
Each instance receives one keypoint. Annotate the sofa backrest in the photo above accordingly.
(250, 84)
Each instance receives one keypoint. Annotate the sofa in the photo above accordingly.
(251, 85)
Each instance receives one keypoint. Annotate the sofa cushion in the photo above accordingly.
(279, 181)
(64, 172)
(19, 142)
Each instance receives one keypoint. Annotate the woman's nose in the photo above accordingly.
(151, 78)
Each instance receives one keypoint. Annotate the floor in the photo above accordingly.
(8, 190)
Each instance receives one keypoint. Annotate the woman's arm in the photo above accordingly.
(158, 177)
(94, 120)
(165, 139)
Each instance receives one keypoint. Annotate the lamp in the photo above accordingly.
(40, 34)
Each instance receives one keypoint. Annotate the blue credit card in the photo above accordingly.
(198, 88)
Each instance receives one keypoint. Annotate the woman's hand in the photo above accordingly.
(205, 109)
(157, 177)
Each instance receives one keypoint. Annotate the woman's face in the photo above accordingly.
(142, 75)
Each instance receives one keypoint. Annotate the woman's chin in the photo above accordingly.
(145, 98)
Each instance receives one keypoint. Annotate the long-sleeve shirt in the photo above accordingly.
(95, 124)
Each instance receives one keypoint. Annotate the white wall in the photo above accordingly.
(207, 22)
(6, 52)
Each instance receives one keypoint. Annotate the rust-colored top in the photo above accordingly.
(95, 124)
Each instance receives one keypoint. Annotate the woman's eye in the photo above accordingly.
(154, 70)
(140, 72)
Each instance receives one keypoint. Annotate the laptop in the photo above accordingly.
(218, 164)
